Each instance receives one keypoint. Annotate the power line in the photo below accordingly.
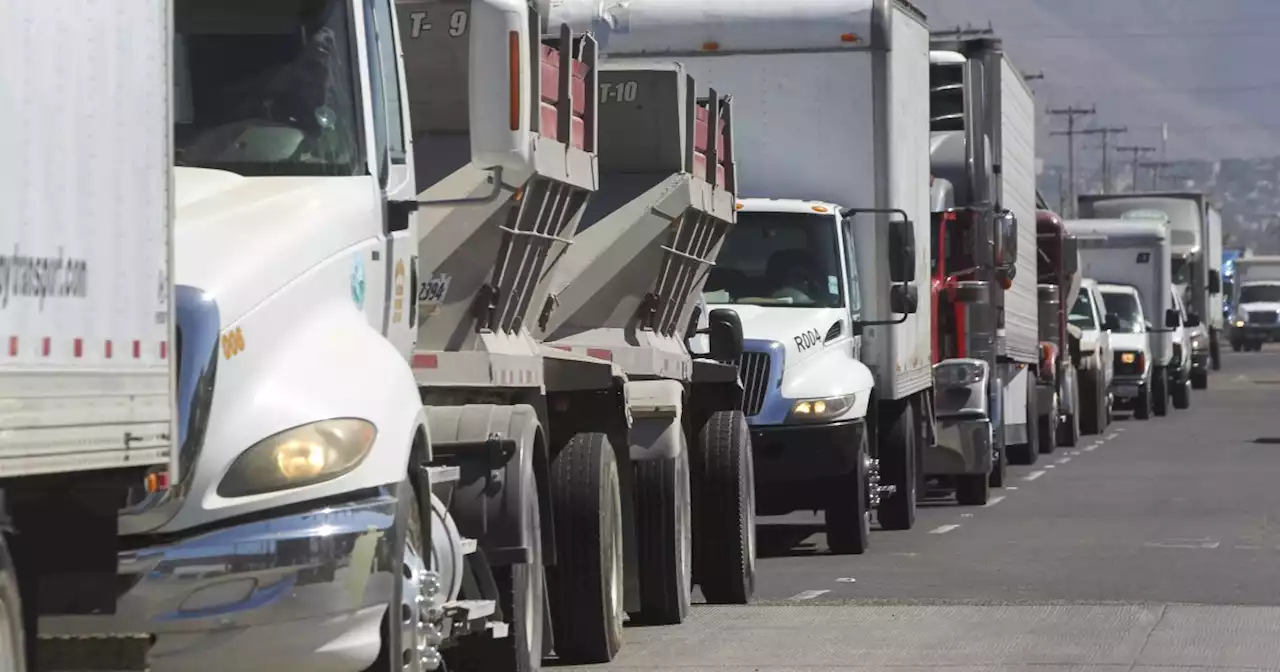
(1071, 112)
(1156, 167)
(1106, 134)
(1137, 150)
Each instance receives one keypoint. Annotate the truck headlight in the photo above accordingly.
(304, 455)
(812, 410)
(1239, 323)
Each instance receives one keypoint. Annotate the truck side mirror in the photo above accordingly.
(1006, 239)
(1070, 255)
(972, 291)
(1111, 322)
(1215, 281)
(724, 335)
(902, 251)
(1193, 320)
(904, 299)
(1172, 319)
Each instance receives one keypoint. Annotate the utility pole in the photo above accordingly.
(1071, 112)
(1136, 149)
(1156, 167)
(1106, 134)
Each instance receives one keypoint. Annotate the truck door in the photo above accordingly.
(393, 161)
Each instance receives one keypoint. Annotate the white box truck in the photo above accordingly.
(1131, 261)
(1255, 300)
(1195, 237)
(87, 335)
(823, 266)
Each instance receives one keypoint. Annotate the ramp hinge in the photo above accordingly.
(485, 307)
(548, 308)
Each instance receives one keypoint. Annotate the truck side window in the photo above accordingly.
(851, 270)
(385, 26)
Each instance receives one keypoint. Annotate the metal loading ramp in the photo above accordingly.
(497, 220)
(627, 287)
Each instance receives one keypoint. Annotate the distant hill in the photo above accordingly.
(1247, 190)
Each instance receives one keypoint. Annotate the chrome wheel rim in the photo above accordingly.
(685, 521)
(418, 637)
(613, 553)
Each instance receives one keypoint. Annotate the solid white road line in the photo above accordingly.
(1033, 475)
(994, 500)
(809, 594)
(943, 529)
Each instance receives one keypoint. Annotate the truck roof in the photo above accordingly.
(1115, 229)
(728, 26)
(1113, 288)
(786, 205)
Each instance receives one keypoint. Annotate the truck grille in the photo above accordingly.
(1263, 317)
(753, 369)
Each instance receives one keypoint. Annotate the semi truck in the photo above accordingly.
(1255, 297)
(1058, 263)
(1195, 238)
(90, 319)
(822, 266)
(1130, 260)
(983, 146)
(387, 464)
(627, 291)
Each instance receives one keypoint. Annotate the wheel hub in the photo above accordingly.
(421, 608)
(873, 482)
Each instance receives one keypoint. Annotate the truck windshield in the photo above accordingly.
(266, 88)
(1082, 312)
(783, 259)
(1260, 293)
(1127, 309)
(1181, 268)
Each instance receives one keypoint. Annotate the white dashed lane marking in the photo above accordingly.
(943, 529)
(994, 500)
(1063, 460)
(809, 594)
(1033, 475)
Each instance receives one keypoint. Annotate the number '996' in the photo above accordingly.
(421, 23)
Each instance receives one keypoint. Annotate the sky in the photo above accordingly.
(1207, 68)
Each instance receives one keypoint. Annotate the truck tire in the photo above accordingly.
(848, 512)
(12, 634)
(897, 456)
(1142, 403)
(521, 595)
(1093, 403)
(1236, 345)
(999, 462)
(725, 509)
(1160, 391)
(972, 489)
(1182, 394)
(1200, 379)
(1215, 350)
(585, 587)
(1048, 426)
(664, 539)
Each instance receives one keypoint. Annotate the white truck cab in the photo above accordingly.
(1132, 380)
(1088, 315)
(1180, 365)
(1255, 302)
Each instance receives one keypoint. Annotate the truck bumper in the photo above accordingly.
(1254, 334)
(1126, 387)
(801, 453)
(305, 591)
(964, 447)
(1200, 359)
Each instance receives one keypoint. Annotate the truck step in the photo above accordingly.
(442, 475)
(476, 617)
(99, 653)
(468, 546)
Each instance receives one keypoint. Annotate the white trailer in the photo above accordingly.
(626, 291)
(833, 151)
(87, 402)
(367, 195)
(983, 144)
(1195, 237)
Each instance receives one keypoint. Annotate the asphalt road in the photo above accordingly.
(1155, 546)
